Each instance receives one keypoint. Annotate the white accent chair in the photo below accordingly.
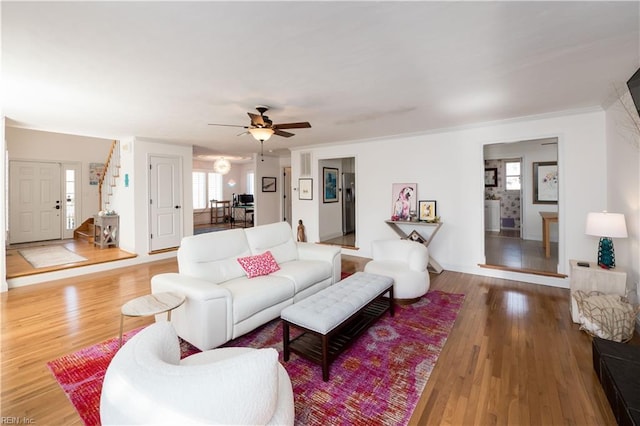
(406, 262)
(147, 383)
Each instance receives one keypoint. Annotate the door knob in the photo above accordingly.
(57, 207)
(177, 207)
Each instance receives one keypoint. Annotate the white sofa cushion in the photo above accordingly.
(276, 237)
(305, 273)
(212, 256)
(256, 294)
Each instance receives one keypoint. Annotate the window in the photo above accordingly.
(250, 182)
(206, 186)
(70, 197)
(512, 173)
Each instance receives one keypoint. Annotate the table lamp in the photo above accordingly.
(606, 226)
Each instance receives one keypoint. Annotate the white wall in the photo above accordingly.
(3, 206)
(448, 167)
(132, 203)
(267, 204)
(623, 183)
(34, 145)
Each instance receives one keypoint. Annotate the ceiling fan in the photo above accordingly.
(262, 127)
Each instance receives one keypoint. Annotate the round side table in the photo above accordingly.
(150, 304)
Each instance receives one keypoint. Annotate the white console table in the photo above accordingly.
(406, 227)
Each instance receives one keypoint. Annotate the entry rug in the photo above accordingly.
(377, 381)
(45, 256)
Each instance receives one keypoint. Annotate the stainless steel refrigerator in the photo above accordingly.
(348, 203)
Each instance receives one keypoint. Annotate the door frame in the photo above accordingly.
(177, 184)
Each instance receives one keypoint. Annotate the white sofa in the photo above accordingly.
(147, 383)
(406, 262)
(222, 303)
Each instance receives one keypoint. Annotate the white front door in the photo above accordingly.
(35, 201)
(165, 202)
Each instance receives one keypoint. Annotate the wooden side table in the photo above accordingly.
(595, 278)
(398, 225)
(150, 304)
(547, 219)
(226, 211)
(105, 230)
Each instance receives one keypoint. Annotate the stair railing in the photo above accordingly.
(108, 179)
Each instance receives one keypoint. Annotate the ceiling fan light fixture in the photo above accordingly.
(261, 133)
(222, 166)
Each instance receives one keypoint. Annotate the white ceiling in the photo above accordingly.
(354, 70)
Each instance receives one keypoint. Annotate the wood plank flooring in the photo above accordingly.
(17, 266)
(514, 356)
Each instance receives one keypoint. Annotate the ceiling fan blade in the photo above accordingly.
(283, 134)
(256, 120)
(301, 125)
(243, 133)
(228, 125)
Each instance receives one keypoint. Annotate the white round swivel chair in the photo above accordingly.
(147, 383)
(406, 262)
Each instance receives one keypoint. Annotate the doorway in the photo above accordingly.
(338, 222)
(513, 222)
(165, 189)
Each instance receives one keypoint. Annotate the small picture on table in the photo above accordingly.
(427, 210)
(415, 236)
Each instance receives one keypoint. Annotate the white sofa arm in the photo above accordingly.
(207, 304)
(411, 252)
(331, 254)
(418, 257)
(194, 288)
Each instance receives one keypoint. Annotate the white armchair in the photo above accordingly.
(147, 383)
(406, 262)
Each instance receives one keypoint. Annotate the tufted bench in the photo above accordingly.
(334, 317)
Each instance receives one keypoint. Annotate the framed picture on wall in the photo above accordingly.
(545, 182)
(268, 184)
(491, 177)
(305, 189)
(329, 185)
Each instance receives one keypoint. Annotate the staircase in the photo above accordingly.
(105, 192)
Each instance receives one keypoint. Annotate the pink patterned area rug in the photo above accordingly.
(377, 381)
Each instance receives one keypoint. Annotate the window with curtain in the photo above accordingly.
(206, 186)
(250, 182)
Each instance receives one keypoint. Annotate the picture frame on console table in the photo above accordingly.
(415, 236)
(403, 201)
(427, 210)
(305, 189)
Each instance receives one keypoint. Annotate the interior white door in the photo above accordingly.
(165, 202)
(35, 201)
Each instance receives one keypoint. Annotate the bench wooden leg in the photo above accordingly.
(285, 340)
(392, 309)
(325, 358)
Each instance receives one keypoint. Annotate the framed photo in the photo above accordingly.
(545, 183)
(415, 236)
(427, 210)
(96, 170)
(403, 200)
(268, 184)
(491, 177)
(305, 189)
(329, 185)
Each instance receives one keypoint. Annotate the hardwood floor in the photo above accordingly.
(514, 356)
(507, 249)
(17, 266)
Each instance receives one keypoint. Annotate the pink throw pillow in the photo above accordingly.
(260, 264)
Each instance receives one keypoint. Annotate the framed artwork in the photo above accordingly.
(415, 236)
(491, 177)
(404, 203)
(427, 210)
(268, 184)
(96, 170)
(305, 189)
(545, 182)
(329, 185)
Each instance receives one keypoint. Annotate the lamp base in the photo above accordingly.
(606, 254)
